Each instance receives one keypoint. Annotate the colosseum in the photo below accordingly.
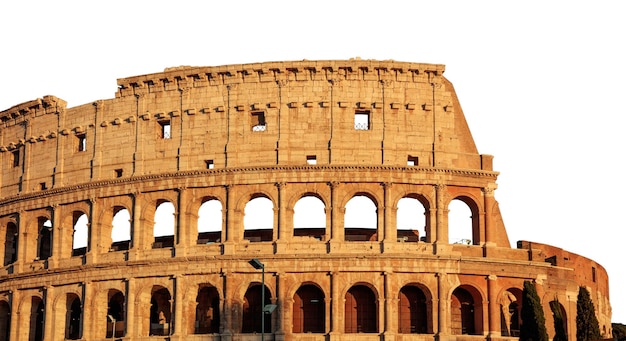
(266, 201)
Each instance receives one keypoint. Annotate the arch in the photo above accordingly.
(412, 310)
(44, 238)
(250, 320)
(361, 218)
(309, 310)
(116, 314)
(361, 310)
(120, 231)
(210, 221)
(258, 220)
(412, 219)
(73, 317)
(10, 243)
(164, 224)
(463, 221)
(5, 320)
(80, 235)
(510, 312)
(466, 311)
(309, 218)
(559, 315)
(160, 311)
(37, 312)
(207, 310)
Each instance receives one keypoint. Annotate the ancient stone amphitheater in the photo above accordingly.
(217, 203)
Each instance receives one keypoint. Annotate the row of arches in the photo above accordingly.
(310, 309)
(310, 219)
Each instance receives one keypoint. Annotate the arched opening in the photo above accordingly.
(361, 310)
(309, 218)
(412, 311)
(160, 311)
(510, 309)
(5, 320)
(164, 225)
(73, 318)
(361, 219)
(252, 306)
(10, 244)
(309, 310)
(411, 220)
(466, 314)
(115, 314)
(37, 311)
(44, 239)
(210, 222)
(120, 232)
(461, 225)
(207, 311)
(559, 316)
(258, 220)
(80, 237)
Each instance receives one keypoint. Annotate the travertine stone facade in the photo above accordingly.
(330, 131)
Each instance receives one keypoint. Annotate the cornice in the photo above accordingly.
(488, 175)
(182, 77)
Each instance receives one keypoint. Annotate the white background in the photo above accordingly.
(541, 83)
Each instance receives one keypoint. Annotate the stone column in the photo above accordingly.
(138, 235)
(57, 238)
(88, 314)
(283, 231)
(336, 226)
(489, 202)
(441, 219)
(184, 233)
(49, 313)
(226, 322)
(94, 230)
(131, 325)
(494, 311)
(389, 231)
(22, 244)
(281, 315)
(443, 307)
(14, 298)
(178, 283)
(229, 229)
(336, 318)
(389, 326)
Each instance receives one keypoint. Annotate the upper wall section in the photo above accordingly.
(350, 112)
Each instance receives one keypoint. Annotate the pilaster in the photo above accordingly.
(493, 307)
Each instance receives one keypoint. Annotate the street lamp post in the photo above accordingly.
(258, 265)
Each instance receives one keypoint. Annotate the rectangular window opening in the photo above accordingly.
(82, 142)
(258, 121)
(362, 120)
(593, 274)
(412, 161)
(209, 164)
(16, 158)
(166, 129)
(311, 159)
(43, 186)
(119, 172)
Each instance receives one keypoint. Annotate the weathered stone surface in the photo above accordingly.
(333, 130)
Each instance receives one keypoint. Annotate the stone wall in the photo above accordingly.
(331, 130)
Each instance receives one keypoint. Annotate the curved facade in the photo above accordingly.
(175, 209)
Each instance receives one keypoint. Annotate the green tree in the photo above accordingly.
(559, 323)
(533, 326)
(587, 327)
(619, 331)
